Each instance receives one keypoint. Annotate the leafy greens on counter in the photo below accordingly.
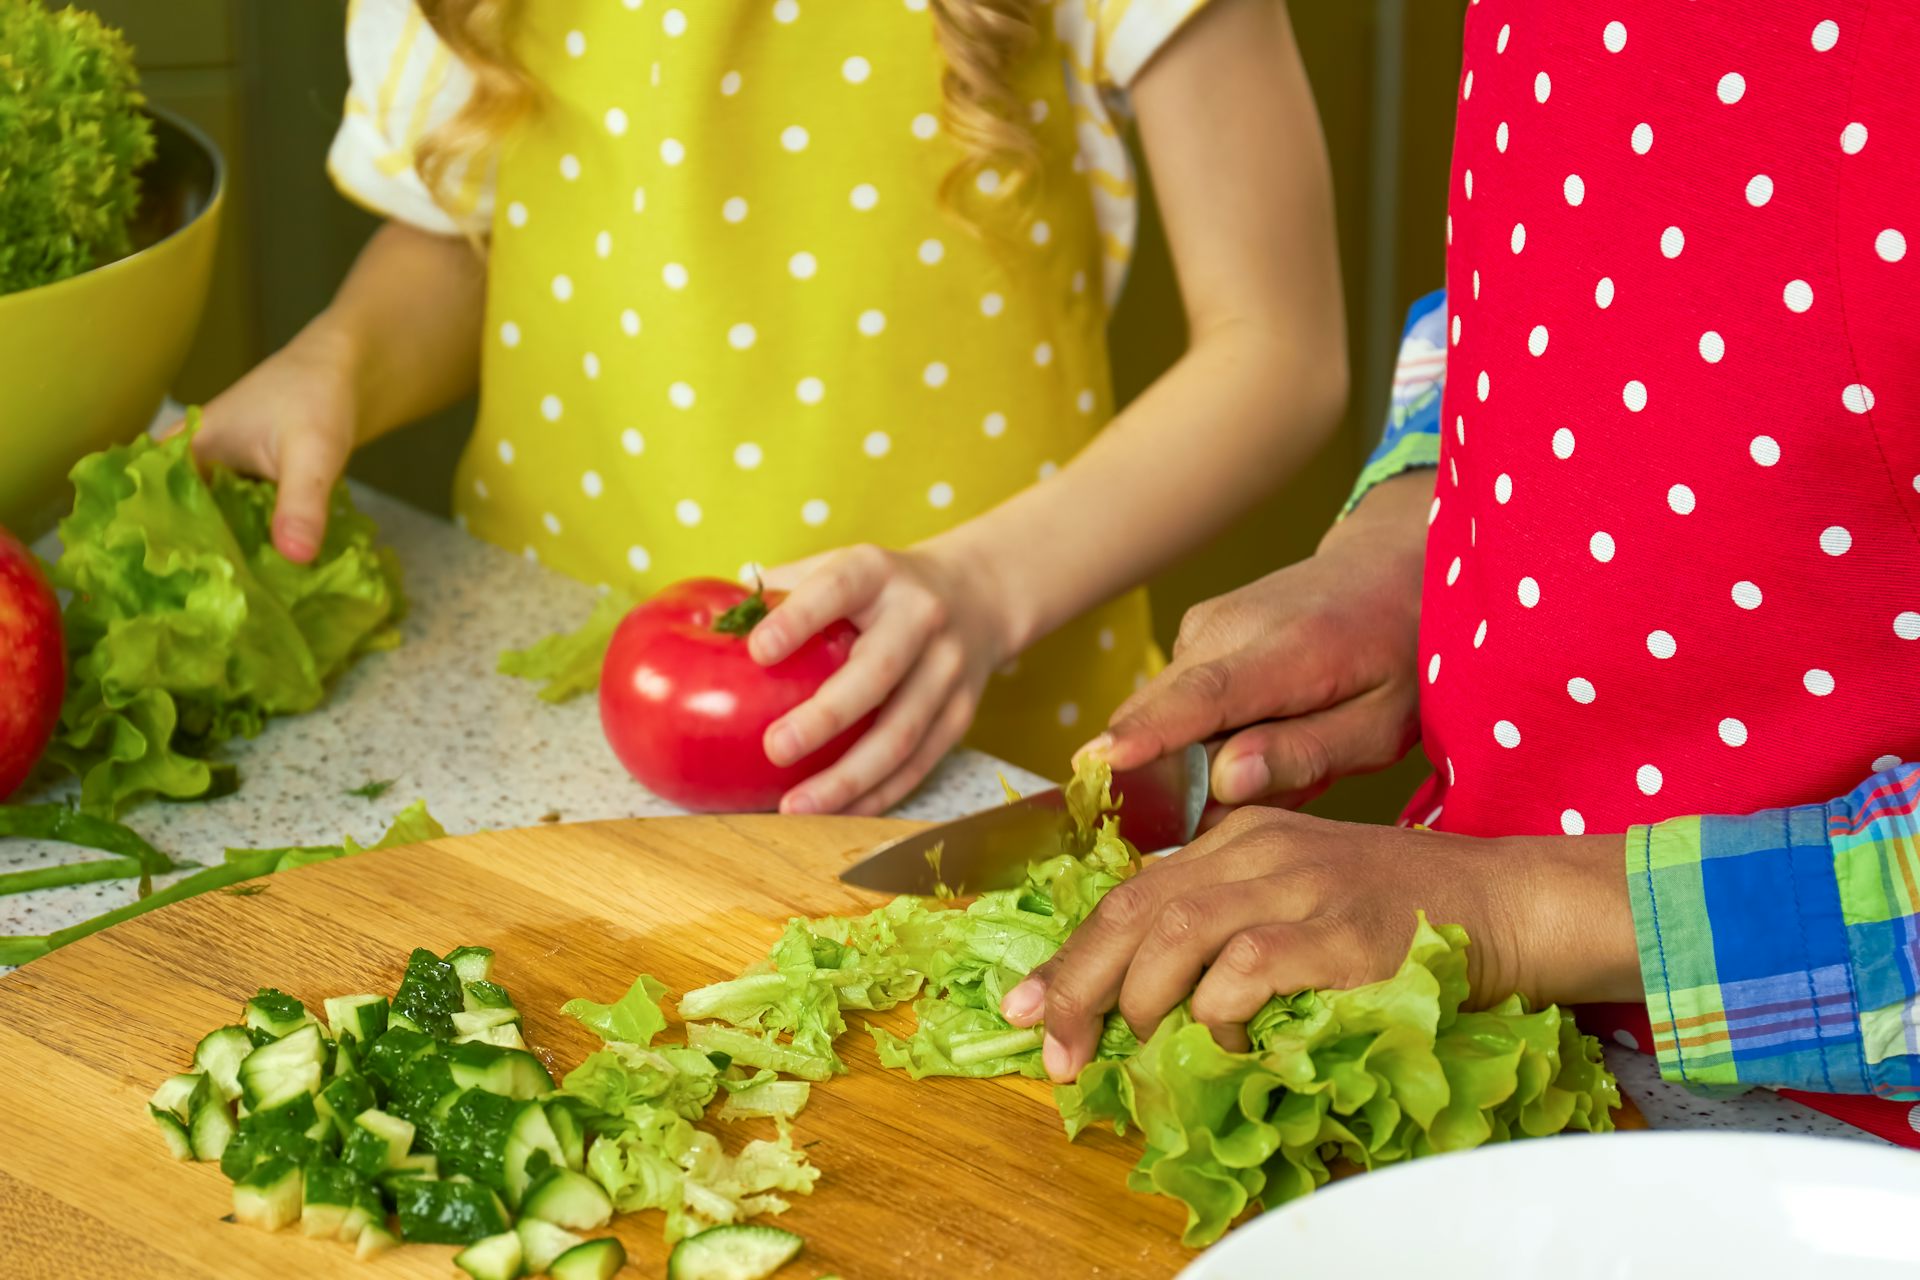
(1376, 1075)
(411, 825)
(567, 664)
(185, 628)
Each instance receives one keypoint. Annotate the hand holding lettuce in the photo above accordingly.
(185, 628)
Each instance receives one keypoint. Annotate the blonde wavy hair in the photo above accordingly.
(982, 42)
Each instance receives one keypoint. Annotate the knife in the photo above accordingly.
(1160, 807)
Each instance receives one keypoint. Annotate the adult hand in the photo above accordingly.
(291, 419)
(1273, 902)
(1318, 658)
(930, 635)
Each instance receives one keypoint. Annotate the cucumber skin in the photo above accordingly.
(493, 1258)
(595, 1260)
(435, 1212)
(706, 1256)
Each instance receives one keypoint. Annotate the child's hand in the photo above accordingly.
(290, 419)
(930, 635)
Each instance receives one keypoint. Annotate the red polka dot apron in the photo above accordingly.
(1678, 503)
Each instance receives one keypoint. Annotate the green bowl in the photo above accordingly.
(89, 359)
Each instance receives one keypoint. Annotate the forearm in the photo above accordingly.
(404, 328)
(1214, 435)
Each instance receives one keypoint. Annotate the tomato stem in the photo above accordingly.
(745, 616)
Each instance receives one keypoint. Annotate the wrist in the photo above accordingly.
(987, 598)
(1574, 941)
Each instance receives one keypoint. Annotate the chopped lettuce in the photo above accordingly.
(569, 662)
(635, 1018)
(1374, 1075)
(185, 628)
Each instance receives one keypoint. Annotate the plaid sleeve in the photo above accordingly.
(1783, 948)
(1412, 436)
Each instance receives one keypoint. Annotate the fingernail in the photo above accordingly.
(1053, 1056)
(783, 745)
(760, 645)
(1097, 747)
(800, 804)
(1022, 1004)
(296, 545)
(1247, 778)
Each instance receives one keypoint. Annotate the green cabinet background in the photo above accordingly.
(265, 78)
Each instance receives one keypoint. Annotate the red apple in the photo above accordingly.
(33, 666)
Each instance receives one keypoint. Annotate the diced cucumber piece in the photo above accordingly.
(281, 1070)
(542, 1242)
(180, 1094)
(270, 1135)
(511, 1073)
(343, 1098)
(447, 1212)
(737, 1251)
(476, 1025)
(485, 995)
(594, 1260)
(322, 1221)
(269, 1197)
(472, 964)
(277, 1014)
(362, 1018)
(532, 1149)
(568, 1133)
(374, 1240)
(211, 1129)
(346, 1062)
(494, 1258)
(220, 1054)
(396, 1134)
(422, 1164)
(173, 1133)
(568, 1199)
(401, 1022)
(429, 994)
(505, 1036)
(366, 1210)
(335, 1201)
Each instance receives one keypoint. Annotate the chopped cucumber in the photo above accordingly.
(423, 1164)
(485, 995)
(362, 1018)
(428, 995)
(330, 1197)
(471, 1138)
(268, 1135)
(494, 1258)
(211, 1129)
(531, 1150)
(276, 1014)
(220, 1054)
(269, 1197)
(472, 964)
(542, 1242)
(737, 1251)
(401, 1021)
(180, 1094)
(282, 1070)
(568, 1199)
(505, 1036)
(396, 1134)
(343, 1098)
(594, 1260)
(568, 1133)
(447, 1212)
(374, 1240)
(511, 1073)
(367, 1209)
(173, 1133)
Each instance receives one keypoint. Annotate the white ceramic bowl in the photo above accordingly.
(1626, 1206)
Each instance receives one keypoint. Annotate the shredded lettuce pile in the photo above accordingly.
(1373, 1076)
(641, 1100)
(185, 628)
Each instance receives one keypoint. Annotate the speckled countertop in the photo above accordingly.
(486, 754)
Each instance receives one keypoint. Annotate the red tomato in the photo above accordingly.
(33, 663)
(686, 708)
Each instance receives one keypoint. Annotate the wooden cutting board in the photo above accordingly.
(941, 1178)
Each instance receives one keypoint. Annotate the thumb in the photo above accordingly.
(1295, 759)
(1189, 702)
(310, 464)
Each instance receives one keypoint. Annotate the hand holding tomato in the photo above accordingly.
(931, 632)
(685, 707)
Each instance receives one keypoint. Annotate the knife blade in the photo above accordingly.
(1160, 807)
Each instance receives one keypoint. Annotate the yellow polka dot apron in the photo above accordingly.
(730, 322)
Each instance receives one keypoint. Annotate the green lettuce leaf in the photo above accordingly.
(634, 1019)
(624, 1079)
(185, 628)
(568, 663)
(763, 1095)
